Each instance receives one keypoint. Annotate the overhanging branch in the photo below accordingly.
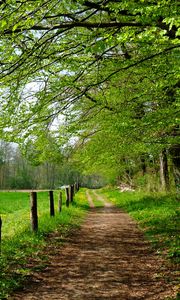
(132, 65)
(70, 25)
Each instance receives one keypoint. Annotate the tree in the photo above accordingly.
(164, 173)
(83, 59)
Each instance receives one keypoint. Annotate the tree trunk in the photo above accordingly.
(175, 154)
(164, 174)
(143, 165)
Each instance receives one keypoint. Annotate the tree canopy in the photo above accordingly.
(103, 72)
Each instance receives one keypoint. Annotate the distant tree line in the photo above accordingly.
(16, 172)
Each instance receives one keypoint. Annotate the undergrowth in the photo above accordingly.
(19, 244)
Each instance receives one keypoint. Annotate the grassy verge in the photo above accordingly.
(19, 244)
(157, 214)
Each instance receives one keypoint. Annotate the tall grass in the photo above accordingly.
(19, 243)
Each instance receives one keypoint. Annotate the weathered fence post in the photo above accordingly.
(71, 192)
(51, 199)
(34, 215)
(60, 202)
(67, 196)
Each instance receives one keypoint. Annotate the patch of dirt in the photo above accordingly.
(108, 258)
(103, 200)
(90, 201)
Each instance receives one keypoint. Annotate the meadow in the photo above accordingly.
(19, 243)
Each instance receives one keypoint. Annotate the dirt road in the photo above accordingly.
(108, 258)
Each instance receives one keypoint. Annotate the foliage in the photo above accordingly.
(21, 170)
(90, 74)
(19, 244)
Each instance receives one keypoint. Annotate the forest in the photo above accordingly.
(91, 87)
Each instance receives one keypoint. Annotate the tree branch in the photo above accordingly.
(132, 65)
(77, 24)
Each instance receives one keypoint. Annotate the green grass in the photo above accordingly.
(19, 243)
(158, 215)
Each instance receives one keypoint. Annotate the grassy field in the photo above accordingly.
(19, 243)
(157, 214)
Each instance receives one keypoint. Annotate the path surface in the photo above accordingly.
(107, 258)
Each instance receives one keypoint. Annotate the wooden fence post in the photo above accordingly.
(67, 196)
(60, 202)
(51, 199)
(71, 192)
(34, 216)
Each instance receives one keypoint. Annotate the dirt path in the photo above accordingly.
(103, 200)
(107, 258)
(91, 203)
